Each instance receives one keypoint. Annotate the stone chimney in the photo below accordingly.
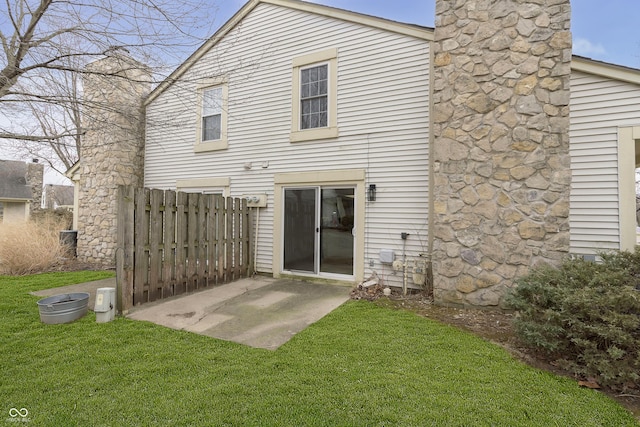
(501, 170)
(112, 149)
(35, 180)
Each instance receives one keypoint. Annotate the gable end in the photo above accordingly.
(416, 31)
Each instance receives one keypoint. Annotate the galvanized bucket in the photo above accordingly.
(63, 308)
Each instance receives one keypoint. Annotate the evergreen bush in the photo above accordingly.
(585, 315)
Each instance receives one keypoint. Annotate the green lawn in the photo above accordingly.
(362, 365)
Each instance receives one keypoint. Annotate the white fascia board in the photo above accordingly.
(604, 69)
(358, 18)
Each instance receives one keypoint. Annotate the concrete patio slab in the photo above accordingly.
(260, 312)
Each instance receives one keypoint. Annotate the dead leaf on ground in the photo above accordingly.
(589, 383)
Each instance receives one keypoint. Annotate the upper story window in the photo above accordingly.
(314, 96)
(212, 116)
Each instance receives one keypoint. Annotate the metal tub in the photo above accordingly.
(63, 308)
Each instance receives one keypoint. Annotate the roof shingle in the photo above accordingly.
(13, 181)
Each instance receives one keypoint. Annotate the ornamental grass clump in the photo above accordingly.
(584, 315)
(32, 246)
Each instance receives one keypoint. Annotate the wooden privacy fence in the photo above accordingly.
(172, 242)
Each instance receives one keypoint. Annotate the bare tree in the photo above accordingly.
(50, 131)
(46, 45)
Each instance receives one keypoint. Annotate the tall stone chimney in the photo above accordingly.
(35, 180)
(112, 149)
(501, 169)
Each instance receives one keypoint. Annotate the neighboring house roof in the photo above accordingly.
(58, 195)
(13, 181)
(413, 30)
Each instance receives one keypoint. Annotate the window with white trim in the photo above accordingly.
(314, 96)
(204, 185)
(212, 116)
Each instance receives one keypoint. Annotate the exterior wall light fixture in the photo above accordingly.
(371, 193)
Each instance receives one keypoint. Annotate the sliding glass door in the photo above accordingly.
(318, 230)
(300, 223)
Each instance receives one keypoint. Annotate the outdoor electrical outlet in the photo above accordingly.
(256, 200)
(404, 236)
(371, 263)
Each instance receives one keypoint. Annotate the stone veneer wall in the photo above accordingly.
(501, 170)
(35, 180)
(112, 150)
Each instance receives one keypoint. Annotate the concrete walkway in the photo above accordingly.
(260, 312)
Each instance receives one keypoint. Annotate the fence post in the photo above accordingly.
(156, 229)
(228, 241)
(247, 247)
(125, 249)
(181, 241)
(192, 241)
(201, 270)
(141, 240)
(237, 239)
(169, 245)
(220, 230)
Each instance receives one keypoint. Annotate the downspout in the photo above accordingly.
(431, 186)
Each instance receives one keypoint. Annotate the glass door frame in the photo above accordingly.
(318, 232)
(354, 178)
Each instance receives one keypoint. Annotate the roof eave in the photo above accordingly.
(14, 199)
(605, 69)
(202, 50)
(72, 170)
(416, 31)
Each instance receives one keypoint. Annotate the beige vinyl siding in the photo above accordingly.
(599, 106)
(383, 116)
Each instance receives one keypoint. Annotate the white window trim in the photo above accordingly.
(627, 138)
(329, 57)
(205, 185)
(218, 144)
(349, 177)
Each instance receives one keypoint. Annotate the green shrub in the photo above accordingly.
(585, 315)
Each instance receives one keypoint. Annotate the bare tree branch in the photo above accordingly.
(39, 138)
(47, 45)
